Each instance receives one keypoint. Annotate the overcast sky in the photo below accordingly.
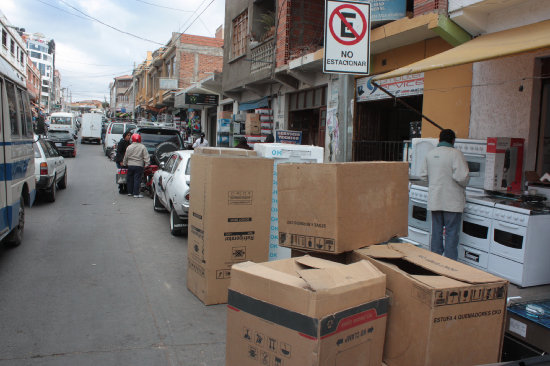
(88, 54)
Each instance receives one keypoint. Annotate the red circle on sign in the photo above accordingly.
(358, 37)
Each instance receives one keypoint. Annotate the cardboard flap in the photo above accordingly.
(260, 270)
(314, 262)
(439, 282)
(319, 279)
(441, 265)
(225, 151)
(380, 251)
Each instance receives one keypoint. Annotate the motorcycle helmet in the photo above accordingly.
(136, 138)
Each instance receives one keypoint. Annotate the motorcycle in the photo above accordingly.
(147, 179)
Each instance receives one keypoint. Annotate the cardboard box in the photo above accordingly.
(305, 311)
(343, 258)
(343, 206)
(252, 124)
(504, 164)
(225, 115)
(442, 312)
(229, 215)
(228, 151)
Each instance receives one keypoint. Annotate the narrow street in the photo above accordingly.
(99, 280)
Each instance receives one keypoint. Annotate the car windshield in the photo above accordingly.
(152, 138)
(60, 134)
(61, 120)
(36, 151)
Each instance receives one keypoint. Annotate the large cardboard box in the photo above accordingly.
(306, 311)
(284, 153)
(339, 207)
(252, 124)
(225, 115)
(229, 151)
(441, 312)
(504, 164)
(229, 213)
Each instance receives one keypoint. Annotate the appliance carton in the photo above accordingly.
(284, 153)
(504, 167)
(441, 312)
(229, 213)
(228, 151)
(225, 115)
(252, 124)
(305, 311)
(339, 207)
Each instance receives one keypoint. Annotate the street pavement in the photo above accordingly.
(99, 280)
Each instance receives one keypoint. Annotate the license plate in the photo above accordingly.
(58, 144)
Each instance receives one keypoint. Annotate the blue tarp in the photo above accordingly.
(253, 104)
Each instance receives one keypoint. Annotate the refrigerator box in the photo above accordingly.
(441, 312)
(306, 311)
(284, 153)
(229, 217)
(252, 124)
(224, 125)
(340, 207)
(231, 151)
(504, 164)
(225, 115)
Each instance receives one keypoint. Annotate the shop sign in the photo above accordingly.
(201, 99)
(347, 37)
(288, 137)
(387, 10)
(168, 84)
(401, 86)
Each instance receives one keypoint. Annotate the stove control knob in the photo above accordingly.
(515, 218)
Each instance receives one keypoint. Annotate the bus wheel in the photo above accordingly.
(15, 238)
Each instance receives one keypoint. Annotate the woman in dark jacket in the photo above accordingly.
(120, 151)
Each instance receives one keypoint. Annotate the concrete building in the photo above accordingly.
(13, 50)
(120, 102)
(42, 53)
(33, 81)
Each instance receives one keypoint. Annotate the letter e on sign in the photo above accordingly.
(347, 37)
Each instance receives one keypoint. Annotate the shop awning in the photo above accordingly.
(499, 44)
(260, 103)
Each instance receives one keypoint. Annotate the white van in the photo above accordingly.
(91, 127)
(63, 121)
(18, 187)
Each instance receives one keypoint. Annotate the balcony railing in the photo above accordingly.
(261, 56)
(377, 150)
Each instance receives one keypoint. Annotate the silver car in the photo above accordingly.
(50, 170)
(171, 190)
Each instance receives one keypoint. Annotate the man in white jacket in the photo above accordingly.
(447, 173)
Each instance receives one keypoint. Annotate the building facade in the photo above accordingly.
(120, 102)
(34, 81)
(42, 53)
(13, 50)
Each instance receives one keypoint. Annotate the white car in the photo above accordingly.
(50, 170)
(171, 190)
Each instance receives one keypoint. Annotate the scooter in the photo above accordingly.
(147, 180)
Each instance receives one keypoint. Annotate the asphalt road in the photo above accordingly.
(99, 280)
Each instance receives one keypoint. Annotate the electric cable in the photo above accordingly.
(165, 7)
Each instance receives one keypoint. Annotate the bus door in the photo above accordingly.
(9, 113)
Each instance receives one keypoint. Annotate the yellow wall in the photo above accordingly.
(447, 100)
(446, 92)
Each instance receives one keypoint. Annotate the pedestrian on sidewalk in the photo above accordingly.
(447, 172)
(136, 158)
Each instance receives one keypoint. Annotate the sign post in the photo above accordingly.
(347, 37)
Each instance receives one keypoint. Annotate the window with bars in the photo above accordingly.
(240, 31)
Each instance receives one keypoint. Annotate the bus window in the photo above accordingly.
(26, 115)
(14, 123)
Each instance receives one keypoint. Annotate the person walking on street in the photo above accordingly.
(447, 172)
(136, 158)
(200, 142)
(120, 151)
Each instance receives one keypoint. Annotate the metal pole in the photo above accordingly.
(408, 106)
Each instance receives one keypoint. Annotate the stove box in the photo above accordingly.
(504, 165)
(441, 312)
(339, 207)
(229, 217)
(306, 311)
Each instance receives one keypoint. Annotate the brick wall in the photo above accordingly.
(200, 40)
(196, 66)
(283, 31)
(429, 6)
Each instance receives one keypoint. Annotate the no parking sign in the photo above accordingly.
(347, 37)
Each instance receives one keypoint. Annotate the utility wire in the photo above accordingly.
(110, 26)
(63, 10)
(192, 15)
(198, 16)
(165, 7)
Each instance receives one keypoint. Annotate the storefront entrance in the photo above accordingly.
(381, 127)
(308, 114)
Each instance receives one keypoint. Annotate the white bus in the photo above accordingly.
(17, 182)
(63, 121)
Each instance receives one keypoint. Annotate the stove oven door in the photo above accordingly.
(508, 240)
(419, 216)
(476, 231)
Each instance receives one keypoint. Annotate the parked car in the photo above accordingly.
(114, 133)
(64, 141)
(50, 170)
(171, 189)
(160, 142)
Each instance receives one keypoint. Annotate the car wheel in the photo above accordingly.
(157, 206)
(15, 238)
(176, 224)
(63, 182)
(50, 195)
